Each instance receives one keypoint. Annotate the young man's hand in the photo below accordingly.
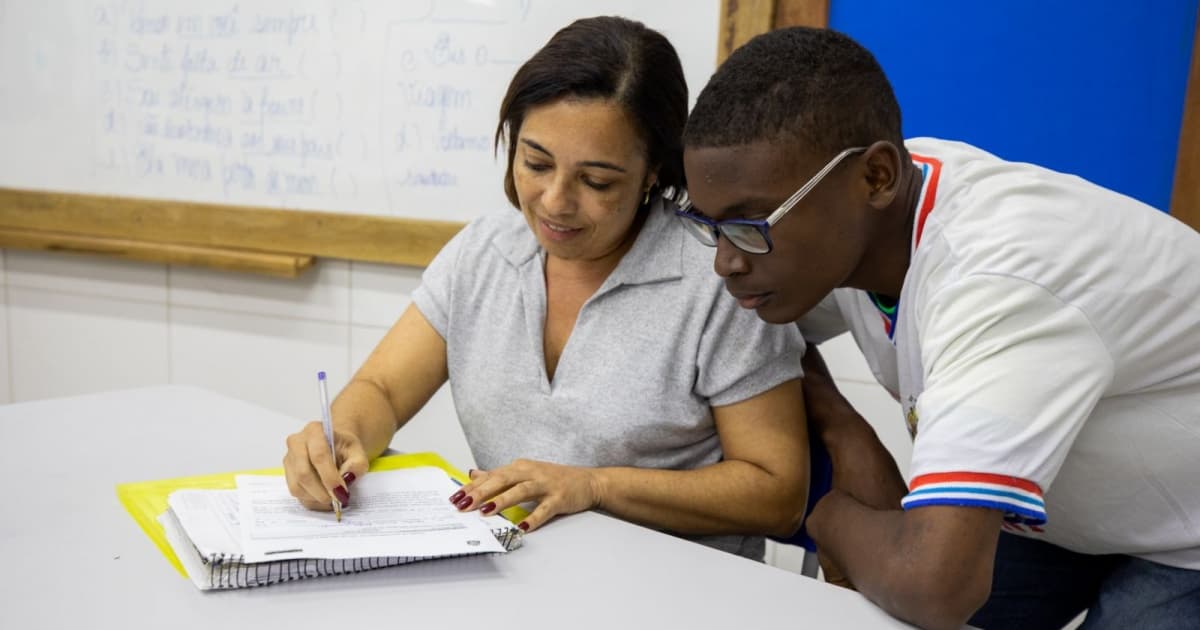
(862, 467)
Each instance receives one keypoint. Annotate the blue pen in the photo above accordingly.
(327, 424)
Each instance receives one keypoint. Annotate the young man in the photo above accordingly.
(1041, 333)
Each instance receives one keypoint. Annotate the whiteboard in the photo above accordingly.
(372, 107)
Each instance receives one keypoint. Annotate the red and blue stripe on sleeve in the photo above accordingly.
(1019, 499)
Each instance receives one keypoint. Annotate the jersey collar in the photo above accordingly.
(931, 171)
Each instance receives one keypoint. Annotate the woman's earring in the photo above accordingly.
(646, 199)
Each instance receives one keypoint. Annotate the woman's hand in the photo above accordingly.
(557, 490)
(311, 476)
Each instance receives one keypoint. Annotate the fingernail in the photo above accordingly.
(488, 507)
(348, 478)
(464, 503)
(457, 496)
(342, 496)
(524, 526)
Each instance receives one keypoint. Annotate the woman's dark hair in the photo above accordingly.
(610, 58)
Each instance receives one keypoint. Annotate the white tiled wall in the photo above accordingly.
(70, 343)
(269, 359)
(72, 325)
(112, 279)
(321, 295)
(378, 294)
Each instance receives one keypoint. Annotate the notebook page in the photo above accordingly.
(395, 513)
(197, 570)
(210, 518)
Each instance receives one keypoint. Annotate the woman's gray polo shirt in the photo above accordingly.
(658, 343)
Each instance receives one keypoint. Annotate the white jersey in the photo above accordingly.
(1046, 354)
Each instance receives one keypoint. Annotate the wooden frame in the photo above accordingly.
(282, 265)
(813, 13)
(741, 20)
(1185, 195)
(216, 235)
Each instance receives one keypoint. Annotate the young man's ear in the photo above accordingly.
(883, 171)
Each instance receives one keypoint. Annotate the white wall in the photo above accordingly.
(73, 325)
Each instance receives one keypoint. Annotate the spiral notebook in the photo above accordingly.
(218, 542)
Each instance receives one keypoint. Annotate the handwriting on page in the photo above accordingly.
(392, 513)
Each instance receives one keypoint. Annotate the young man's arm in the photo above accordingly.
(930, 566)
(896, 558)
(1011, 373)
(862, 466)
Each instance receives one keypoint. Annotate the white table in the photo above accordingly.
(74, 558)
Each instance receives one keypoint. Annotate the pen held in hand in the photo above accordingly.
(327, 424)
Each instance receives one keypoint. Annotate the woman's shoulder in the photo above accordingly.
(697, 260)
(497, 235)
(503, 226)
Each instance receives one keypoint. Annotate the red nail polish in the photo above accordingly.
(488, 507)
(464, 503)
(348, 478)
(524, 526)
(342, 496)
(457, 496)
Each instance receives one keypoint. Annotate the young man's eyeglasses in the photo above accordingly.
(751, 235)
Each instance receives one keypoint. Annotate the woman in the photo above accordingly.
(594, 359)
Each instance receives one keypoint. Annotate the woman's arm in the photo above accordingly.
(759, 487)
(402, 373)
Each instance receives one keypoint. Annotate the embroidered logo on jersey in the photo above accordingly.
(911, 418)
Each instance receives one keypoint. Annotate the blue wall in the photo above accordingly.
(1094, 88)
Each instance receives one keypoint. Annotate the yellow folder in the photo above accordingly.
(147, 500)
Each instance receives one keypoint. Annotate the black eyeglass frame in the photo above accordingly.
(707, 231)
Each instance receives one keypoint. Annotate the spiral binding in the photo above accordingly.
(229, 571)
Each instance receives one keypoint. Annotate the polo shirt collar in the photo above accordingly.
(517, 245)
(656, 255)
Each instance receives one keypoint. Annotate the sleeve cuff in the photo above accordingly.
(784, 367)
(1019, 499)
(430, 309)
